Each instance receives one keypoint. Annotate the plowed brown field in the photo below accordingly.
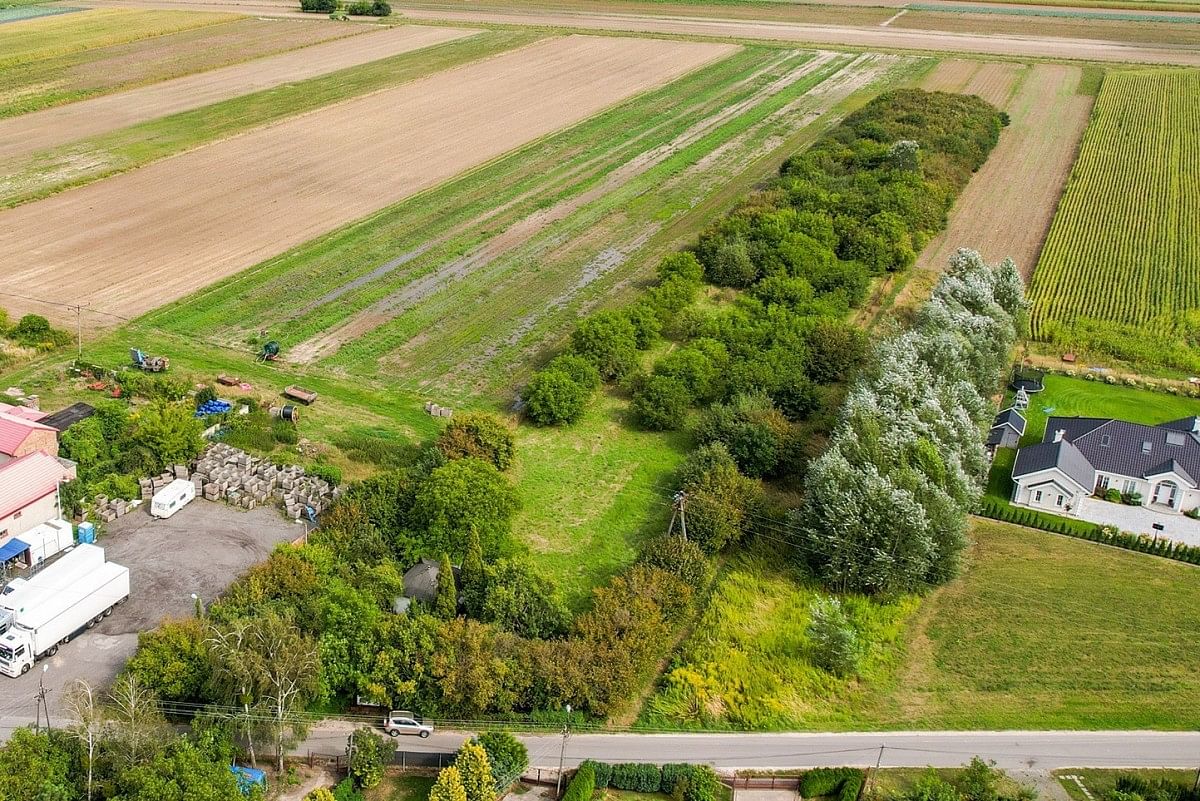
(136, 241)
(56, 126)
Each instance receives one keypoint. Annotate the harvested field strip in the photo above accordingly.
(48, 37)
(1006, 209)
(86, 161)
(309, 279)
(232, 216)
(1124, 246)
(74, 76)
(1151, 32)
(45, 129)
(994, 82)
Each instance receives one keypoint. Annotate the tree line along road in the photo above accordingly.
(1012, 750)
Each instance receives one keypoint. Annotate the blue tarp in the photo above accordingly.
(248, 777)
(12, 549)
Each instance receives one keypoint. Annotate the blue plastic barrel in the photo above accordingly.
(87, 533)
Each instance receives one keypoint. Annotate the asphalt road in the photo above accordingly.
(1013, 750)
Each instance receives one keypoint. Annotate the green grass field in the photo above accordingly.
(1118, 271)
(748, 666)
(1099, 781)
(128, 148)
(1040, 632)
(1044, 631)
(592, 494)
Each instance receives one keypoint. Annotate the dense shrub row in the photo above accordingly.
(684, 782)
(842, 783)
(1083, 529)
(582, 785)
(885, 506)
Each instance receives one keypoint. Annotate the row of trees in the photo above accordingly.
(885, 506)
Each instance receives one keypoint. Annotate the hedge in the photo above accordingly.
(602, 771)
(844, 783)
(637, 777)
(582, 785)
(1092, 532)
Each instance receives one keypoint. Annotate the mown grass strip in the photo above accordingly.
(140, 144)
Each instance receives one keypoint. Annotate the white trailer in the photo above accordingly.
(54, 606)
(173, 497)
(48, 539)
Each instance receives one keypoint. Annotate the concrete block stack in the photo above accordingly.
(234, 476)
(109, 509)
(438, 411)
(153, 484)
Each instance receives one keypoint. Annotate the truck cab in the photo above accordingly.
(402, 721)
(16, 652)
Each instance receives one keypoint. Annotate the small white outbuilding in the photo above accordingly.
(173, 497)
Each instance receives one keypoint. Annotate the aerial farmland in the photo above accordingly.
(660, 356)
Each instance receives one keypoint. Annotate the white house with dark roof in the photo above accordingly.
(1082, 456)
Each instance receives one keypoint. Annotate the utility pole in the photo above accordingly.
(678, 503)
(78, 309)
(562, 751)
(872, 774)
(41, 702)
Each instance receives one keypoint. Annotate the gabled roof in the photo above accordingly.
(1012, 418)
(1171, 466)
(1132, 449)
(22, 411)
(25, 480)
(15, 430)
(1062, 455)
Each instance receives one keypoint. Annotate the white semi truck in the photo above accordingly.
(40, 613)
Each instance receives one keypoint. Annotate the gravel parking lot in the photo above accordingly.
(201, 549)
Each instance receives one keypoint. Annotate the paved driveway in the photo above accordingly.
(1141, 520)
(201, 549)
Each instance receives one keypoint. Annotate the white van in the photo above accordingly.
(173, 497)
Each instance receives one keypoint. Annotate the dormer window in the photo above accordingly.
(1145, 447)
(1176, 437)
(1105, 440)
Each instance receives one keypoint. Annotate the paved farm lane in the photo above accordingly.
(29, 133)
(136, 241)
(1010, 750)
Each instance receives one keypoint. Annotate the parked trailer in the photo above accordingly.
(48, 539)
(54, 606)
(173, 497)
(305, 396)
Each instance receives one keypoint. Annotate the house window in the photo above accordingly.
(17, 515)
(1102, 482)
(1129, 487)
(1105, 440)
(1037, 496)
(1059, 501)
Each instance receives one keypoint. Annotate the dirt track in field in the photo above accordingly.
(30, 133)
(1007, 207)
(139, 240)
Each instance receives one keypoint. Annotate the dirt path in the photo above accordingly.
(139, 240)
(30, 133)
(871, 36)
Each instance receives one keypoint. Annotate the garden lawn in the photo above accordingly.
(1077, 397)
(1048, 632)
(401, 788)
(592, 493)
(748, 663)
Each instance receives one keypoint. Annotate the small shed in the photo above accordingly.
(1008, 427)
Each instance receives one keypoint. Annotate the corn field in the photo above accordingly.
(1124, 246)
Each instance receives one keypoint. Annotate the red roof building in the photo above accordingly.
(29, 492)
(20, 436)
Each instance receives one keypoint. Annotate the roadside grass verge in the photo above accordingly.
(99, 157)
(1047, 632)
(591, 494)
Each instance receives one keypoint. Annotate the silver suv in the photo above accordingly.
(404, 722)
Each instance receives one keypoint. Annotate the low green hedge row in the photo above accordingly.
(582, 785)
(842, 783)
(684, 782)
(1091, 531)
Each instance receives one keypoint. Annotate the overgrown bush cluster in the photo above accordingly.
(885, 506)
(33, 331)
